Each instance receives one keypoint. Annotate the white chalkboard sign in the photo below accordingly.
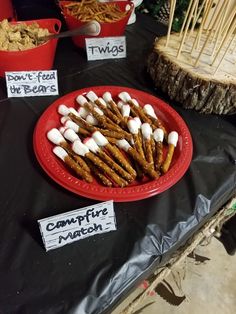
(78, 224)
(105, 48)
(31, 83)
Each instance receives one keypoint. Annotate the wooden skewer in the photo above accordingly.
(195, 16)
(199, 33)
(172, 11)
(231, 30)
(226, 50)
(216, 18)
(198, 15)
(186, 29)
(186, 17)
(220, 25)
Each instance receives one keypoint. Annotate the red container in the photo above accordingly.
(6, 11)
(34, 59)
(107, 29)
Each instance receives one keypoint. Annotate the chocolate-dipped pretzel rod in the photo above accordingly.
(149, 111)
(134, 130)
(108, 99)
(123, 144)
(158, 136)
(114, 152)
(147, 133)
(172, 142)
(63, 155)
(82, 150)
(100, 102)
(94, 148)
(56, 138)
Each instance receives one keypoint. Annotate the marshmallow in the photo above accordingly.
(79, 148)
(149, 110)
(70, 135)
(137, 119)
(91, 120)
(92, 96)
(55, 136)
(62, 129)
(124, 96)
(123, 144)
(134, 101)
(146, 131)
(99, 138)
(83, 112)
(72, 110)
(63, 110)
(99, 111)
(133, 126)
(81, 100)
(120, 104)
(107, 96)
(101, 100)
(91, 144)
(158, 135)
(72, 125)
(173, 138)
(125, 110)
(64, 119)
(60, 152)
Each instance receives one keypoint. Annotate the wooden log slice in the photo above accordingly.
(195, 87)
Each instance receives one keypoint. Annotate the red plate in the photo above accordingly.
(56, 170)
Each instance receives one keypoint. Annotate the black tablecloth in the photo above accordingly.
(94, 274)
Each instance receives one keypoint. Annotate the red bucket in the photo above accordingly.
(6, 11)
(116, 28)
(34, 59)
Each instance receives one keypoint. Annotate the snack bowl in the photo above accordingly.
(38, 58)
(108, 29)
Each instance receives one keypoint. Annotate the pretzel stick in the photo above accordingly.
(172, 141)
(98, 174)
(102, 105)
(82, 150)
(114, 152)
(134, 130)
(147, 132)
(149, 111)
(56, 138)
(123, 144)
(62, 154)
(94, 148)
(108, 98)
(158, 135)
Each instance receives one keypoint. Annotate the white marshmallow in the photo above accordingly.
(124, 96)
(92, 96)
(146, 131)
(60, 152)
(102, 102)
(123, 144)
(173, 138)
(120, 104)
(75, 112)
(64, 119)
(107, 96)
(81, 100)
(133, 126)
(79, 148)
(125, 110)
(72, 125)
(149, 110)
(91, 120)
(62, 129)
(55, 136)
(134, 101)
(63, 110)
(91, 144)
(70, 135)
(158, 135)
(99, 138)
(138, 122)
(99, 111)
(83, 112)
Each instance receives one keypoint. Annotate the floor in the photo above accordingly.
(205, 283)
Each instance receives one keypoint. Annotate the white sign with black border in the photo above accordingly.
(78, 224)
(106, 48)
(31, 83)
